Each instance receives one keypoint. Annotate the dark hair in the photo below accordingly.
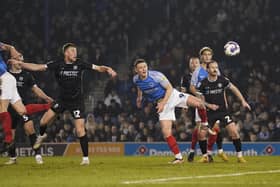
(138, 61)
(211, 62)
(67, 45)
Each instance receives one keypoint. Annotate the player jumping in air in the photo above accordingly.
(68, 73)
(155, 88)
(25, 85)
(9, 95)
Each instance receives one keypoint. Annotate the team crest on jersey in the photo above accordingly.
(220, 85)
(75, 67)
(20, 78)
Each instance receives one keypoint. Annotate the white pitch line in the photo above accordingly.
(199, 177)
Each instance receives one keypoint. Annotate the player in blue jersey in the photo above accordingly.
(155, 88)
(9, 95)
(206, 54)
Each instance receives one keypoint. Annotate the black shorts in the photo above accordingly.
(75, 108)
(223, 116)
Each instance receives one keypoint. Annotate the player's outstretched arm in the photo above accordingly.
(41, 94)
(29, 66)
(107, 69)
(238, 94)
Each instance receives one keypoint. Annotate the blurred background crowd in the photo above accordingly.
(164, 32)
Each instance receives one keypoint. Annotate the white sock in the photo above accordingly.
(85, 158)
(36, 156)
(191, 150)
(220, 151)
(239, 154)
(179, 156)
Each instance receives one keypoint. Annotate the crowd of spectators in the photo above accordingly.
(166, 34)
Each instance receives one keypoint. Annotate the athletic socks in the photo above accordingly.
(237, 145)
(43, 129)
(84, 145)
(12, 151)
(203, 146)
(211, 142)
(194, 139)
(219, 141)
(171, 141)
(6, 120)
(32, 139)
(203, 115)
(212, 139)
(34, 108)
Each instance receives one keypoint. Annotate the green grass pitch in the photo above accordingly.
(139, 171)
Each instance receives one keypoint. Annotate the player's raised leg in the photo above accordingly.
(47, 118)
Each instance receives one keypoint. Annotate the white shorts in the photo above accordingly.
(176, 99)
(8, 88)
(197, 117)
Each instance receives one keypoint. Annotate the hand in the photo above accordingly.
(160, 106)
(14, 53)
(246, 105)
(138, 102)
(213, 107)
(112, 72)
(14, 62)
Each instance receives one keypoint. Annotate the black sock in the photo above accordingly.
(219, 141)
(43, 129)
(84, 145)
(32, 139)
(203, 146)
(237, 144)
(12, 150)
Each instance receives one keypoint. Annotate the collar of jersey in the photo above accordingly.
(212, 80)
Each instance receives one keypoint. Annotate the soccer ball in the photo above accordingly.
(232, 48)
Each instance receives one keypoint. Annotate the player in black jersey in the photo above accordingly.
(186, 79)
(26, 83)
(213, 88)
(68, 74)
(9, 95)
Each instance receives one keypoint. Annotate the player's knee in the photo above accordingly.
(80, 132)
(56, 107)
(43, 122)
(21, 111)
(166, 133)
(234, 135)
